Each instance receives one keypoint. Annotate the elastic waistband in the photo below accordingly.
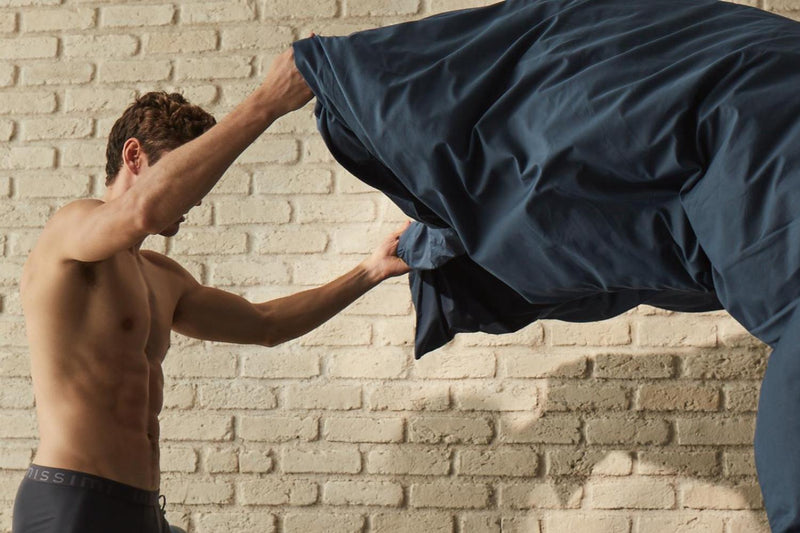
(82, 480)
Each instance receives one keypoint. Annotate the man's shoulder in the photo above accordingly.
(65, 218)
(166, 264)
(71, 213)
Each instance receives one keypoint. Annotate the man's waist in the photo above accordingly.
(83, 480)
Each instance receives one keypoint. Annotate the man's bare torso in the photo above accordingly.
(98, 333)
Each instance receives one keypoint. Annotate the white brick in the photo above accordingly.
(454, 364)
(34, 129)
(535, 365)
(15, 458)
(57, 186)
(324, 209)
(248, 272)
(360, 238)
(367, 363)
(277, 491)
(268, 149)
(120, 45)
(594, 522)
(134, 71)
(28, 102)
(363, 429)
(368, 8)
(14, 364)
(8, 23)
(281, 9)
(221, 460)
(323, 396)
(28, 157)
(278, 428)
(9, 275)
(503, 461)
(17, 425)
(328, 459)
(179, 395)
(146, 15)
(676, 330)
(508, 396)
(409, 459)
(200, 363)
(253, 37)
(19, 215)
(537, 495)
(209, 242)
(28, 47)
(317, 272)
(255, 461)
(253, 210)
(611, 332)
(532, 428)
(280, 363)
(96, 99)
(322, 523)
(632, 493)
(292, 240)
(8, 73)
(16, 394)
(195, 492)
(214, 68)
(178, 459)
(429, 522)
(706, 495)
(18, 3)
(249, 522)
(180, 42)
(458, 495)
(382, 493)
(385, 300)
(216, 12)
(62, 18)
(339, 331)
(235, 394)
(196, 426)
(415, 396)
(293, 180)
(450, 430)
(682, 523)
(438, 6)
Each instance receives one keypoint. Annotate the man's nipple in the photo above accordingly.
(127, 324)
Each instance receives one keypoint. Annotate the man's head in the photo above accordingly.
(156, 123)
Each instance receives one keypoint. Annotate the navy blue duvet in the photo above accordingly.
(571, 159)
(586, 156)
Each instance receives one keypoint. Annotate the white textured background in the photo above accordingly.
(640, 424)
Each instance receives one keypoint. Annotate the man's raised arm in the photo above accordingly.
(185, 175)
(153, 197)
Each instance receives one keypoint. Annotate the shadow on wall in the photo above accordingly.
(516, 439)
(473, 438)
(609, 443)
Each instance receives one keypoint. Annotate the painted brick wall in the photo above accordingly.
(639, 424)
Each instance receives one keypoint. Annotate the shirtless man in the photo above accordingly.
(99, 310)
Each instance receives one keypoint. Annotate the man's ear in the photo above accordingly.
(133, 155)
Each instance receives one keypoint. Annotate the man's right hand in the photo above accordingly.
(286, 87)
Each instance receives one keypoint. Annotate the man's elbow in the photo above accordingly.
(270, 334)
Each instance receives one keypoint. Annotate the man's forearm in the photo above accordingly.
(185, 175)
(295, 315)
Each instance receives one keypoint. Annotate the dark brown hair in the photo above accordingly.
(160, 122)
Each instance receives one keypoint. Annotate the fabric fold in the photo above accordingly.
(573, 149)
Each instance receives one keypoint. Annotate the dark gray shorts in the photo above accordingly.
(54, 500)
